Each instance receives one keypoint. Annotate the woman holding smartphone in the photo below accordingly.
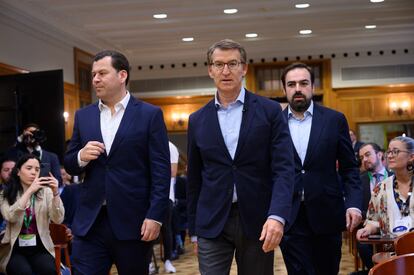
(390, 211)
(28, 203)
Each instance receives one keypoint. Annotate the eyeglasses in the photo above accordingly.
(231, 65)
(394, 152)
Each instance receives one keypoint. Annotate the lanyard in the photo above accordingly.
(403, 206)
(27, 220)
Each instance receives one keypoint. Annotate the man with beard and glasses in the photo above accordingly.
(312, 244)
(370, 156)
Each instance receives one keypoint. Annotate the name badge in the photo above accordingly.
(402, 225)
(27, 240)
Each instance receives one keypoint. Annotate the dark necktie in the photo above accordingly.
(377, 178)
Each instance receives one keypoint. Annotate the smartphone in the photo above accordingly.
(374, 237)
(44, 169)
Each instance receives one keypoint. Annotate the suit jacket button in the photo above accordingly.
(234, 167)
(303, 171)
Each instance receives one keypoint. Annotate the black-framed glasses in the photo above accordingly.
(395, 152)
(231, 65)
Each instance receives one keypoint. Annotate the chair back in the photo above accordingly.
(401, 265)
(58, 233)
(404, 244)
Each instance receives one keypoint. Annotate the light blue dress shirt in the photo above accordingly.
(230, 119)
(300, 130)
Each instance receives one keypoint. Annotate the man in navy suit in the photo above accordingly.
(321, 207)
(240, 171)
(121, 145)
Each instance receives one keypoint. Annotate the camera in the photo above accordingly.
(37, 137)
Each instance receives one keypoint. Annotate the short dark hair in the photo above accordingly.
(226, 44)
(374, 146)
(297, 65)
(119, 61)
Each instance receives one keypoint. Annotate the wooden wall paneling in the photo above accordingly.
(174, 107)
(71, 104)
(6, 69)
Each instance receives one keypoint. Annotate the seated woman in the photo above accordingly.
(390, 210)
(28, 203)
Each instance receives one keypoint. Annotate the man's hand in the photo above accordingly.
(91, 151)
(272, 233)
(150, 230)
(353, 219)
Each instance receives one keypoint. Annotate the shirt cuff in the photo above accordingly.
(81, 163)
(354, 208)
(160, 223)
(193, 239)
(280, 219)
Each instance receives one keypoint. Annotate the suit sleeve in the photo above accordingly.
(160, 168)
(194, 178)
(71, 156)
(282, 167)
(348, 167)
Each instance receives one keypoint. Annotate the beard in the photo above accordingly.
(300, 106)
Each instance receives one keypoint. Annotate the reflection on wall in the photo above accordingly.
(382, 133)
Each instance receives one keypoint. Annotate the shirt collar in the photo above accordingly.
(121, 104)
(308, 112)
(240, 98)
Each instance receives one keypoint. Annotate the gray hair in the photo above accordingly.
(409, 142)
(226, 44)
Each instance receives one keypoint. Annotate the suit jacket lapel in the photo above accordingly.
(318, 122)
(213, 125)
(247, 117)
(96, 124)
(126, 121)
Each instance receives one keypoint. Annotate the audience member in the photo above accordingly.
(320, 210)
(6, 166)
(121, 145)
(28, 204)
(180, 224)
(370, 156)
(390, 210)
(30, 141)
(240, 171)
(69, 193)
(356, 145)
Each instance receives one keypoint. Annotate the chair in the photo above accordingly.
(404, 244)
(399, 265)
(61, 239)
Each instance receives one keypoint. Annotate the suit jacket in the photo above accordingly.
(47, 157)
(262, 169)
(133, 178)
(325, 198)
(45, 211)
(70, 199)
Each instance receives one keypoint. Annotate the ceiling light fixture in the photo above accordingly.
(160, 16)
(230, 11)
(188, 39)
(371, 26)
(251, 35)
(302, 6)
(305, 31)
(376, 1)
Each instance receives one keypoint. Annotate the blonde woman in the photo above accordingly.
(391, 209)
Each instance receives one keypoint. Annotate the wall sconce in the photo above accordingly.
(400, 107)
(66, 116)
(179, 118)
